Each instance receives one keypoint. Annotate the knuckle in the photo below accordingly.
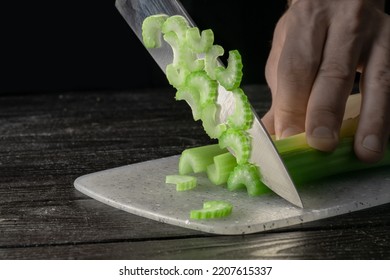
(382, 79)
(290, 113)
(332, 114)
(296, 70)
(336, 70)
(303, 8)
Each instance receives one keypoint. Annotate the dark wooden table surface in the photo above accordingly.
(48, 140)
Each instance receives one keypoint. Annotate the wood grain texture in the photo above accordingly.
(48, 140)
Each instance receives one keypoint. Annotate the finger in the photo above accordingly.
(298, 64)
(268, 121)
(271, 71)
(274, 55)
(332, 86)
(374, 126)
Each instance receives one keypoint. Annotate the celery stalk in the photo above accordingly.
(308, 165)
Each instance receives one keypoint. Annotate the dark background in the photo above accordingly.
(86, 44)
(79, 45)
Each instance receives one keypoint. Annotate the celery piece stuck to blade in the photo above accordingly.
(242, 116)
(247, 176)
(211, 126)
(152, 30)
(206, 87)
(199, 42)
(211, 60)
(176, 24)
(230, 77)
(238, 141)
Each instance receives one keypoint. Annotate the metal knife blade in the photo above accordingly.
(263, 152)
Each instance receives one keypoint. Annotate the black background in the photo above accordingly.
(87, 45)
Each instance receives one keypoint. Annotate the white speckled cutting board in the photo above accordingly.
(140, 189)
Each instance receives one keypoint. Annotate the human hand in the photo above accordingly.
(318, 47)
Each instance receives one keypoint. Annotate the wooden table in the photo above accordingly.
(47, 140)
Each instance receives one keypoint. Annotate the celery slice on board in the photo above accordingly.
(182, 182)
(212, 209)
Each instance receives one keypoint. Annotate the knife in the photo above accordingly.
(263, 152)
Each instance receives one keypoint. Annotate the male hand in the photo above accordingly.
(318, 47)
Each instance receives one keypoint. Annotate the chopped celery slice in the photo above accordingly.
(209, 120)
(199, 42)
(211, 60)
(206, 87)
(176, 24)
(152, 30)
(238, 141)
(176, 75)
(247, 176)
(218, 172)
(212, 209)
(195, 160)
(190, 60)
(230, 77)
(242, 116)
(183, 56)
(172, 39)
(191, 96)
(182, 182)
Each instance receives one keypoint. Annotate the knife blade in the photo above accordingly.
(263, 151)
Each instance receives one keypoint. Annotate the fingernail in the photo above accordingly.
(371, 142)
(289, 132)
(323, 132)
(322, 138)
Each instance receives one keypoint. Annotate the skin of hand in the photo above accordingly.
(317, 48)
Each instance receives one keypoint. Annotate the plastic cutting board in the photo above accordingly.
(140, 189)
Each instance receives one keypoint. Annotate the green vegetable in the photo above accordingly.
(223, 164)
(211, 60)
(242, 116)
(199, 42)
(177, 48)
(198, 91)
(182, 182)
(212, 127)
(176, 75)
(152, 29)
(206, 88)
(230, 77)
(176, 24)
(247, 176)
(195, 160)
(212, 209)
(306, 164)
(238, 142)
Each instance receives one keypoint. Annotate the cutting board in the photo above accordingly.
(141, 190)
